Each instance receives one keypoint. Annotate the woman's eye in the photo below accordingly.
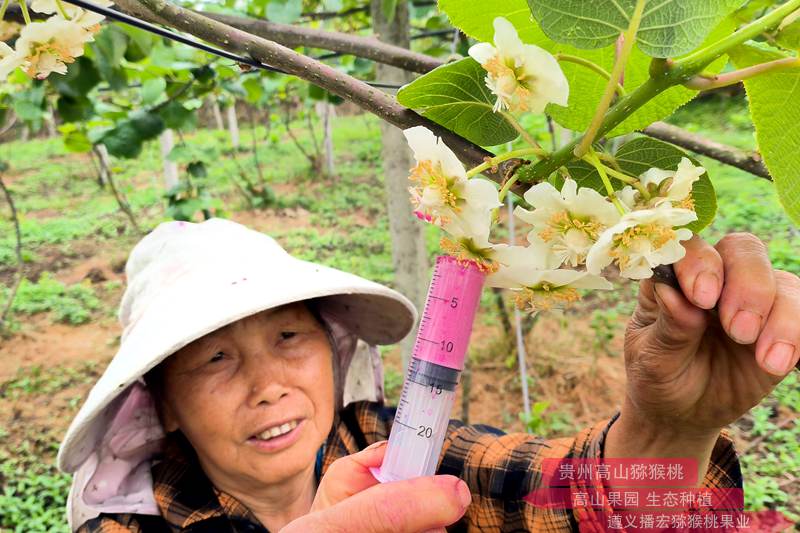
(285, 335)
(217, 357)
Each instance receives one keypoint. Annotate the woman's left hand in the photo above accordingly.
(692, 371)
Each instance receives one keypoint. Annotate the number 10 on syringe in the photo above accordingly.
(429, 389)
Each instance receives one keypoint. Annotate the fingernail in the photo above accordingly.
(745, 327)
(376, 445)
(464, 494)
(779, 358)
(706, 289)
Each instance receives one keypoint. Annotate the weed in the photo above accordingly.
(72, 304)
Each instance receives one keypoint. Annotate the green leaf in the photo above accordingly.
(109, 49)
(775, 107)
(476, 18)
(182, 153)
(789, 36)
(197, 169)
(203, 74)
(284, 11)
(639, 155)
(74, 109)
(668, 27)
(175, 115)
(152, 90)
(586, 86)
(76, 140)
(126, 138)
(81, 77)
(455, 96)
(140, 44)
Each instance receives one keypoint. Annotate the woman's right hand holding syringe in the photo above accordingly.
(349, 498)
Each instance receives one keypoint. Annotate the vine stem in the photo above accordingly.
(522, 131)
(630, 180)
(20, 263)
(23, 6)
(591, 158)
(591, 65)
(506, 186)
(62, 11)
(697, 61)
(705, 83)
(494, 161)
(616, 74)
(3, 9)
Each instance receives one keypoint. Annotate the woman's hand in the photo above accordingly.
(692, 371)
(349, 498)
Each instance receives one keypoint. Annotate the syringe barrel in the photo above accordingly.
(429, 389)
(421, 423)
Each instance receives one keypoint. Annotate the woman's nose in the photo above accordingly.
(266, 379)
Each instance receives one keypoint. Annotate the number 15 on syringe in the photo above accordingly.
(429, 389)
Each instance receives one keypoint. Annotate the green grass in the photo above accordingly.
(72, 304)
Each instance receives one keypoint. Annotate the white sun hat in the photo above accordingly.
(186, 280)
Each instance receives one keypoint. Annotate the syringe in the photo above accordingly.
(423, 412)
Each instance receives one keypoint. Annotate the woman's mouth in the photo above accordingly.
(277, 437)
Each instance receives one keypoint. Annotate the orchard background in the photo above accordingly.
(142, 129)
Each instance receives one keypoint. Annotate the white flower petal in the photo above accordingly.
(481, 194)
(655, 176)
(549, 83)
(482, 52)
(506, 38)
(685, 177)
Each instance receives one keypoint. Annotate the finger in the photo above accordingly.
(777, 347)
(749, 289)
(679, 325)
(409, 506)
(700, 273)
(348, 476)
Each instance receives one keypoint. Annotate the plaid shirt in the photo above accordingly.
(501, 469)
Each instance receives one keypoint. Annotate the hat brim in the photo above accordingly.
(186, 312)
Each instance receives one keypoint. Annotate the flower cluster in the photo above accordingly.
(49, 46)
(573, 233)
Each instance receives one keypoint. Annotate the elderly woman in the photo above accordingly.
(226, 407)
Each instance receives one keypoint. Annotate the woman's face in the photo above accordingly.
(255, 398)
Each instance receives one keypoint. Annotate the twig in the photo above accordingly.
(286, 121)
(324, 76)
(121, 201)
(366, 47)
(20, 264)
(749, 161)
(254, 143)
(707, 83)
(313, 133)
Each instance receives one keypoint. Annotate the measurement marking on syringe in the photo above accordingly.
(404, 425)
(428, 340)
